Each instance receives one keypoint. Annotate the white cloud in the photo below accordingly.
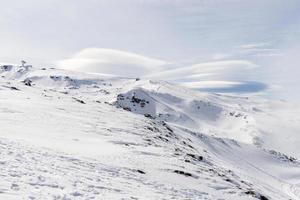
(210, 84)
(259, 50)
(109, 61)
(121, 63)
(254, 46)
(221, 56)
(217, 69)
(217, 76)
(209, 75)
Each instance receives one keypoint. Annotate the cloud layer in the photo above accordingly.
(216, 69)
(219, 76)
(110, 61)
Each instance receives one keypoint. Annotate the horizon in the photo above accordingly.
(255, 44)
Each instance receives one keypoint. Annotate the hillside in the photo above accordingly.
(71, 135)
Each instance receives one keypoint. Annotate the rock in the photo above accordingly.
(195, 157)
(140, 171)
(27, 82)
(182, 173)
(14, 88)
(79, 100)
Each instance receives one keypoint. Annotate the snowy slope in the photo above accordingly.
(68, 135)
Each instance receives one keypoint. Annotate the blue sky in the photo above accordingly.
(142, 37)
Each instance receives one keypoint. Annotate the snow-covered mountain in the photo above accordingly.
(71, 135)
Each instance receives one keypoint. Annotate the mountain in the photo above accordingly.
(70, 135)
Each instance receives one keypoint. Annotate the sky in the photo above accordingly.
(212, 45)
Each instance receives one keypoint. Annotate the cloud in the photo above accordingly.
(221, 56)
(110, 61)
(121, 63)
(215, 76)
(210, 84)
(203, 71)
(254, 46)
(259, 50)
(225, 76)
(228, 86)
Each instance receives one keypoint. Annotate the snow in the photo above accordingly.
(71, 135)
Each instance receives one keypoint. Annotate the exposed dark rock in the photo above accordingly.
(108, 103)
(105, 92)
(228, 180)
(14, 88)
(120, 97)
(127, 109)
(282, 156)
(262, 197)
(250, 192)
(183, 173)
(195, 157)
(79, 100)
(140, 171)
(162, 138)
(27, 82)
(149, 116)
(6, 67)
(149, 128)
(257, 195)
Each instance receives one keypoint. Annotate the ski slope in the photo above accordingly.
(71, 135)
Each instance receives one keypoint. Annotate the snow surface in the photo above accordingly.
(71, 135)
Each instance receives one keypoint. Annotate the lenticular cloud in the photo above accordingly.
(109, 61)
